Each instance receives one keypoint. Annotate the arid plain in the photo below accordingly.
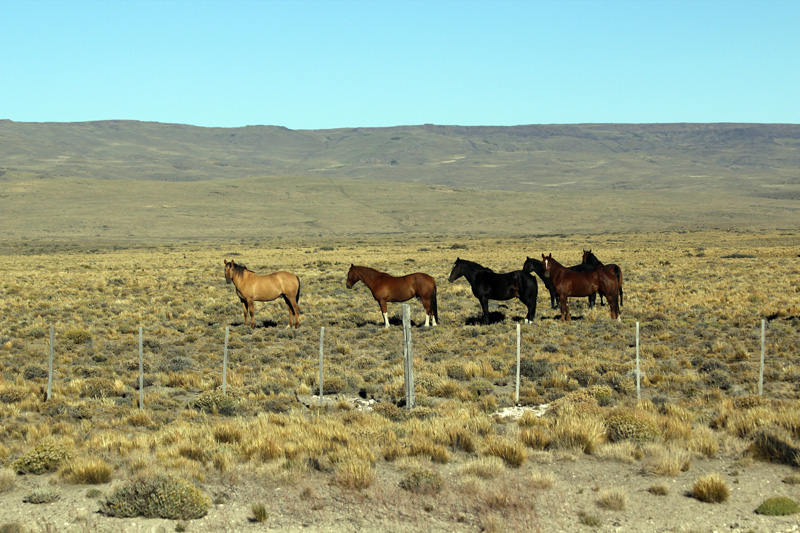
(706, 253)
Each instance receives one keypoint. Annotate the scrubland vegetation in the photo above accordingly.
(266, 452)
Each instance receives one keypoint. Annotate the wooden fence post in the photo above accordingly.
(408, 357)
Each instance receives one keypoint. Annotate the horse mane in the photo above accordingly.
(473, 264)
(240, 268)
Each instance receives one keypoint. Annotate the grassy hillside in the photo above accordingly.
(116, 180)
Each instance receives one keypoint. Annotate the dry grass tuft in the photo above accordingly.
(612, 498)
(87, 471)
(666, 461)
(484, 467)
(513, 453)
(578, 433)
(710, 489)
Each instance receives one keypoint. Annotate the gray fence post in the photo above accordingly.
(321, 351)
(225, 362)
(50, 365)
(638, 373)
(763, 349)
(408, 356)
(516, 395)
(141, 371)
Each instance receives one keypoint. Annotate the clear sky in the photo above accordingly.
(311, 64)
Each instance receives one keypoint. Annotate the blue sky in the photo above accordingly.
(311, 64)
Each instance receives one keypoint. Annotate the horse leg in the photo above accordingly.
(384, 312)
(485, 309)
(252, 308)
(564, 309)
(292, 312)
(244, 305)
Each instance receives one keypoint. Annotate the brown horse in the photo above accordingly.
(388, 288)
(252, 287)
(570, 283)
(590, 259)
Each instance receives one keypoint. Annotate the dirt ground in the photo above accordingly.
(314, 505)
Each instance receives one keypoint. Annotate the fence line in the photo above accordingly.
(408, 370)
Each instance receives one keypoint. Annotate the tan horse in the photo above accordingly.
(252, 287)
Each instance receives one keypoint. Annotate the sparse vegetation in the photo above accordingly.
(462, 449)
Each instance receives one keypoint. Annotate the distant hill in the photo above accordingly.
(134, 180)
(642, 156)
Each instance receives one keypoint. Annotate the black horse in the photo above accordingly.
(489, 285)
(590, 259)
(534, 265)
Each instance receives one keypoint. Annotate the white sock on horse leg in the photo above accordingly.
(427, 320)
(386, 320)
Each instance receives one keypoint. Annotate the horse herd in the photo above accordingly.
(588, 278)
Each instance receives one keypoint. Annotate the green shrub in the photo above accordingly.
(99, 388)
(157, 496)
(45, 495)
(778, 506)
(214, 401)
(775, 445)
(422, 482)
(12, 394)
(78, 336)
(46, 457)
(631, 425)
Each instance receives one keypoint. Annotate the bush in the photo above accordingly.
(12, 394)
(776, 445)
(42, 495)
(422, 482)
(78, 336)
(214, 401)
(157, 496)
(778, 506)
(46, 457)
(631, 425)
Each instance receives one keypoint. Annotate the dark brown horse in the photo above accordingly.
(570, 283)
(252, 287)
(590, 259)
(388, 288)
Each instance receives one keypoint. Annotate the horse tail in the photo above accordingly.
(618, 272)
(297, 296)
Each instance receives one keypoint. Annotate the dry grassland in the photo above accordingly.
(265, 453)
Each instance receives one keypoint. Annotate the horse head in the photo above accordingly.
(547, 264)
(457, 270)
(228, 271)
(352, 276)
(532, 265)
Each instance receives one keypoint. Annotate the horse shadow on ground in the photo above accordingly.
(259, 324)
(477, 320)
(393, 321)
